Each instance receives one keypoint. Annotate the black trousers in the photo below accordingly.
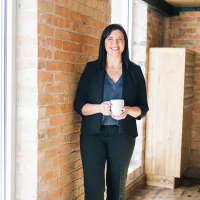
(111, 147)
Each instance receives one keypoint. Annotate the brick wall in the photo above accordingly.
(68, 37)
(184, 31)
(155, 32)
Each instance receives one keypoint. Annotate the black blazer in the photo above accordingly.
(90, 90)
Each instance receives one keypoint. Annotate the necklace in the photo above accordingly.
(114, 72)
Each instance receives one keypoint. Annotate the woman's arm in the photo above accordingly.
(133, 111)
(91, 109)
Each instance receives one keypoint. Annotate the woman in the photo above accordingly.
(104, 137)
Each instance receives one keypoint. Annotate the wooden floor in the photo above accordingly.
(181, 193)
(188, 190)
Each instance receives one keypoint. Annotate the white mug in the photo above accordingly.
(117, 106)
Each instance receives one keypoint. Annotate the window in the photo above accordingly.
(131, 13)
(2, 99)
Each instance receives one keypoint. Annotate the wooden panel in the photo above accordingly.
(169, 121)
(187, 129)
(189, 79)
(188, 106)
(164, 120)
(184, 3)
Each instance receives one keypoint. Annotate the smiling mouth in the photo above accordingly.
(115, 49)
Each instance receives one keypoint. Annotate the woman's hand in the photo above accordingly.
(132, 111)
(125, 112)
(105, 108)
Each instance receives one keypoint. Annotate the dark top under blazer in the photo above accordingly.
(90, 90)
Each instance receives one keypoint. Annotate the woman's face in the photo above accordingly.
(115, 44)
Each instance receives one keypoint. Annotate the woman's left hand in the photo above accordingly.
(125, 112)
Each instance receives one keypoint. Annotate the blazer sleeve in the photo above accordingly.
(141, 96)
(82, 92)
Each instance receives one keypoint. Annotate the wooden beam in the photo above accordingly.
(168, 10)
(162, 6)
(184, 3)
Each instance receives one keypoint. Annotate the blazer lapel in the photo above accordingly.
(98, 86)
(100, 80)
(129, 86)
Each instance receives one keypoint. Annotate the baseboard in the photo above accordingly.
(135, 185)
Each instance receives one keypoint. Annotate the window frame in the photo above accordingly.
(2, 110)
(8, 100)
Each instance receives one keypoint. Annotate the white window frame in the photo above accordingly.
(8, 98)
(2, 146)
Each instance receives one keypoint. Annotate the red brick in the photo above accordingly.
(64, 56)
(72, 137)
(60, 161)
(67, 78)
(41, 64)
(54, 193)
(61, 88)
(78, 173)
(45, 30)
(50, 7)
(44, 144)
(41, 180)
(69, 128)
(51, 153)
(45, 99)
(63, 12)
(42, 41)
(68, 46)
(59, 22)
(64, 180)
(70, 25)
(77, 17)
(60, 98)
(45, 76)
(94, 51)
(68, 67)
(60, 34)
(53, 66)
(50, 175)
(56, 55)
(42, 6)
(53, 132)
(66, 190)
(67, 168)
(67, 108)
(53, 110)
(77, 164)
(76, 38)
(58, 44)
